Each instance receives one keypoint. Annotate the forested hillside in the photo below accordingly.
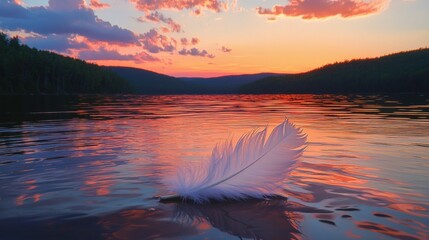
(148, 82)
(400, 72)
(227, 84)
(25, 70)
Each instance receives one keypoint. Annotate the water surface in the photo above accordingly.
(88, 167)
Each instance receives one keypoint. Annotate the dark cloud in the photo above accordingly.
(159, 17)
(53, 42)
(155, 42)
(62, 17)
(105, 54)
(225, 49)
(308, 9)
(196, 52)
(10, 9)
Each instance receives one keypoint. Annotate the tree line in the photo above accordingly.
(25, 70)
(400, 72)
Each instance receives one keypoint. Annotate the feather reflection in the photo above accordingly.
(255, 219)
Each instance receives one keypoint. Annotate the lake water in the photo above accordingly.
(88, 167)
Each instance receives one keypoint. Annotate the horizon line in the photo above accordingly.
(274, 73)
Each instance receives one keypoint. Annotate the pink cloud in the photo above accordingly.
(145, 57)
(197, 12)
(96, 4)
(159, 17)
(165, 29)
(151, 5)
(309, 9)
(195, 41)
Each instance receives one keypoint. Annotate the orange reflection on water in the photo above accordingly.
(101, 188)
(36, 197)
(31, 184)
(380, 228)
(320, 185)
(98, 180)
(350, 234)
(412, 209)
(20, 200)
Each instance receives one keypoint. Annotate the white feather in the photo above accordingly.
(254, 167)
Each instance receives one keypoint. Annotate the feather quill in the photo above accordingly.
(254, 167)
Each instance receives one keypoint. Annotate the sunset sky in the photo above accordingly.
(218, 37)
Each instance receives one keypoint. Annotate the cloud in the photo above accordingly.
(10, 9)
(225, 49)
(71, 27)
(309, 9)
(151, 5)
(155, 42)
(195, 41)
(105, 54)
(195, 52)
(96, 4)
(145, 57)
(65, 4)
(192, 41)
(159, 17)
(53, 42)
(184, 41)
(197, 12)
(164, 29)
(62, 17)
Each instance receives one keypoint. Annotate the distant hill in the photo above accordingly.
(228, 84)
(25, 70)
(148, 82)
(400, 72)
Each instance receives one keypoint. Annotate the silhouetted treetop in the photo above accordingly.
(25, 70)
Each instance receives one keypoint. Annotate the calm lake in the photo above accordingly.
(88, 167)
